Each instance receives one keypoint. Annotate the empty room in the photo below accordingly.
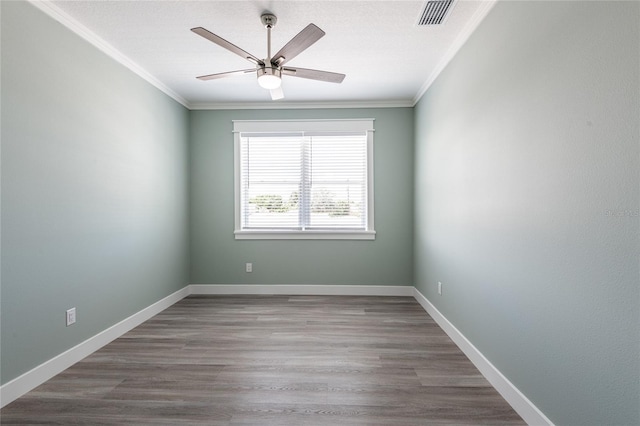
(320, 212)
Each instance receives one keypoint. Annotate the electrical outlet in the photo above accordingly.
(249, 267)
(439, 288)
(71, 316)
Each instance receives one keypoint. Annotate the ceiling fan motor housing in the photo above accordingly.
(266, 70)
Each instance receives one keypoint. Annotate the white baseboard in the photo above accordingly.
(520, 403)
(17, 387)
(22, 384)
(303, 289)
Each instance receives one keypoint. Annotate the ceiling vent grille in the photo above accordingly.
(435, 12)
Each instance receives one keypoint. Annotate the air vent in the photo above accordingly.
(435, 12)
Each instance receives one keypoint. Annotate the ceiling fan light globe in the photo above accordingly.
(269, 81)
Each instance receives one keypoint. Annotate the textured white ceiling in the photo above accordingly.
(387, 57)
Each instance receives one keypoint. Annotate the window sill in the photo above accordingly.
(305, 235)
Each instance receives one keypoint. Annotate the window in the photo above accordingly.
(304, 179)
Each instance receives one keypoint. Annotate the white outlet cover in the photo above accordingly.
(71, 316)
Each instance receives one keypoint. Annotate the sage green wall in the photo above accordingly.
(526, 199)
(527, 203)
(94, 190)
(219, 259)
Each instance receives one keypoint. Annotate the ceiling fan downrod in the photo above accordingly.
(269, 21)
(269, 76)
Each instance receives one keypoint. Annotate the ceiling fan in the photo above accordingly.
(271, 69)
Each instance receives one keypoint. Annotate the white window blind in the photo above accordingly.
(304, 180)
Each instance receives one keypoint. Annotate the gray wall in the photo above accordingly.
(94, 190)
(219, 259)
(527, 206)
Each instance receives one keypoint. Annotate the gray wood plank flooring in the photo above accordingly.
(273, 360)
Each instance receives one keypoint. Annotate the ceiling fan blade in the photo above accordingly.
(331, 77)
(277, 94)
(299, 43)
(226, 44)
(224, 74)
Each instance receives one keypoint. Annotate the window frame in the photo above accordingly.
(364, 125)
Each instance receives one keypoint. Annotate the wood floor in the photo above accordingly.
(273, 360)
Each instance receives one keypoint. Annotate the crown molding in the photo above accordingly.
(301, 105)
(65, 19)
(462, 38)
(72, 24)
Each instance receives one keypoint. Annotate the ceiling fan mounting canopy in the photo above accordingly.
(268, 20)
(270, 70)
